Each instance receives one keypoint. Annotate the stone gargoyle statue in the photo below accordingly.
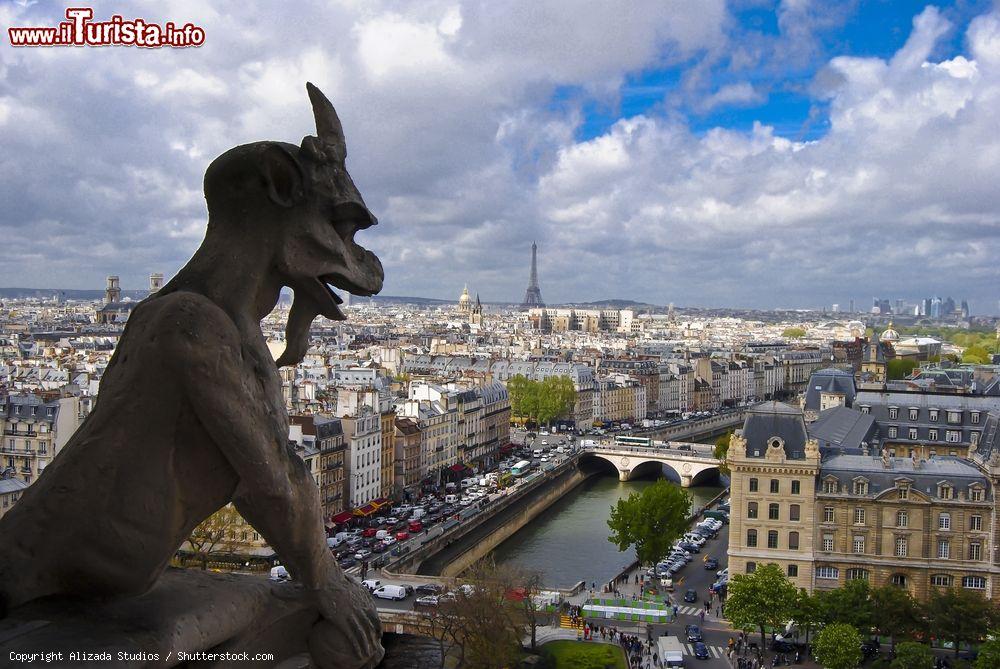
(190, 413)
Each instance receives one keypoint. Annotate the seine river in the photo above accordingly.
(568, 542)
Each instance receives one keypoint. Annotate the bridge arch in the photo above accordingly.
(629, 465)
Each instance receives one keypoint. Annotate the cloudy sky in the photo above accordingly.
(745, 153)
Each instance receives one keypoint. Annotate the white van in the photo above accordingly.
(450, 499)
(279, 573)
(390, 592)
(537, 453)
(382, 534)
(418, 513)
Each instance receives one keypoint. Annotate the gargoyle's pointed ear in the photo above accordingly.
(328, 127)
(283, 176)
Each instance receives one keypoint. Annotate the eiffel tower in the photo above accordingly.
(533, 296)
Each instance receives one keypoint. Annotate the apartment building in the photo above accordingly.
(35, 429)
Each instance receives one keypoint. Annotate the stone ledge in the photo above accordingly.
(187, 611)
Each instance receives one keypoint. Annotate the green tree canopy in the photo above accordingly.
(976, 355)
(541, 401)
(765, 598)
(838, 646)
(651, 520)
(793, 333)
(808, 611)
(850, 604)
(897, 613)
(960, 615)
(913, 655)
(900, 368)
(989, 653)
(721, 450)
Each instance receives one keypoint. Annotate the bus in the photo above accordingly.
(520, 469)
(633, 442)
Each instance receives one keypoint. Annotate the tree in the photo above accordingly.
(216, 535)
(960, 615)
(765, 598)
(838, 646)
(523, 396)
(913, 655)
(651, 520)
(793, 333)
(977, 355)
(898, 614)
(808, 611)
(720, 452)
(900, 368)
(989, 653)
(527, 592)
(556, 397)
(850, 604)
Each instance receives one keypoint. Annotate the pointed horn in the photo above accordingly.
(328, 126)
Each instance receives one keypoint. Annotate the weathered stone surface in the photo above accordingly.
(190, 417)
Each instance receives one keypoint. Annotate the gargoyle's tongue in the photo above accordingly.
(304, 310)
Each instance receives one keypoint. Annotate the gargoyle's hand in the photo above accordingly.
(349, 635)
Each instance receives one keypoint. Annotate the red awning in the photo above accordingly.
(507, 449)
(366, 510)
(342, 517)
(381, 501)
(457, 468)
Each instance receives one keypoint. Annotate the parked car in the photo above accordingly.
(429, 589)
(427, 601)
(371, 584)
(396, 592)
(693, 633)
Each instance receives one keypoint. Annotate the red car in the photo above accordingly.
(416, 526)
(369, 532)
(402, 536)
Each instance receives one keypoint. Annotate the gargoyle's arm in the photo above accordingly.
(275, 493)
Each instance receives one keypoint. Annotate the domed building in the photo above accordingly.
(465, 302)
(889, 336)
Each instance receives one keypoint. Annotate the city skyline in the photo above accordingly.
(743, 156)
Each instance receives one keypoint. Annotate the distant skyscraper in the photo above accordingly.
(852, 305)
(835, 309)
(533, 296)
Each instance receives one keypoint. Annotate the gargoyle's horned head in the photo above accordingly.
(301, 202)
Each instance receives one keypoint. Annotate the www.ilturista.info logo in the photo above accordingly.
(79, 30)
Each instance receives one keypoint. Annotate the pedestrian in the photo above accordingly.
(702, 617)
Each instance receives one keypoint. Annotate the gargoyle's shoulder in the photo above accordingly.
(187, 318)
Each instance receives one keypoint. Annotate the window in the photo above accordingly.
(774, 486)
(953, 436)
(893, 432)
(954, 417)
(932, 434)
(861, 487)
(932, 415)
(899, 580)
(796, 486)
(945, 491)
(944, 521)
(793, 570)
(944, 549)
(913, 433)
(866, 409)
(974, 582)
(793, 512)
(752, 538)
(827, 573)
(901, 546)
(772, 512)
(793, 541)
(973, 438)
(772, 539)
(893, 413)
(975, 551)
(753, 485)
(828, 542)
(828, 514)
(904, 493)
(976, 523)
(830, 486)
(974, 417)
(752, 510)
(902, 518)
(859, 516)
(913, 413)
(976, 494)
(751, 567)
(943, 580)
(858, 545)
(857, 574)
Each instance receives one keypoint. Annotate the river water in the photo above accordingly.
(568, 542)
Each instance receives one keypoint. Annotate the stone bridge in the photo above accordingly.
(396, 621)
(688, 460)
(694, 430)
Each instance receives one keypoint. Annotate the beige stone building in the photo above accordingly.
(35, 429)
(907, 521)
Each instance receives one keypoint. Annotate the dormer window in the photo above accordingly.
(831, 486)
(861, 487)
(974, 417)
(932, 415)
(914, 413)
(954, 417)
(904, 493)
(945, 491)
(976, 493)
(893, 413)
